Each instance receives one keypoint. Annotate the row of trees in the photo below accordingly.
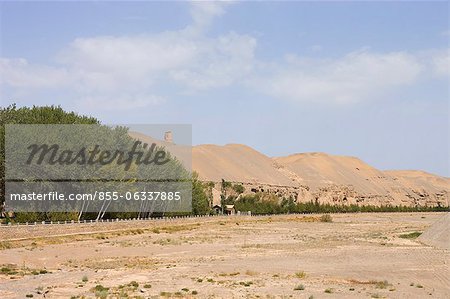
(114, 138)
(261, 204)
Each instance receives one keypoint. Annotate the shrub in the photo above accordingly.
(382, 284)
(246, 283)
(300, 287)
(165, 294)
(412, 235)
(326, 218)
(102, 294)
(100, 288)
(8, 271)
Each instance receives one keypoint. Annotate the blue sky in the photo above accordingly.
(362, 79)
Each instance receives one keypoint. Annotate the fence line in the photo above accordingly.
(171, 218)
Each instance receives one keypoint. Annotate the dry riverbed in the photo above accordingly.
(291, 256)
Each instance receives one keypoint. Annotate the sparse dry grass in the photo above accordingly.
(86, 236)
(134, 262)
(229, 274)
(13, 270)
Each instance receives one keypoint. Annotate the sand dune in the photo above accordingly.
(237, 163)
(332, 179)
(420, 179)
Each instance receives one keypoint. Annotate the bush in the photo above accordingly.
(326, 218)
(300, 287)
(412, 235)
(200, 202)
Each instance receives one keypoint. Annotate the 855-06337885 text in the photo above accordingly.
(98, 195)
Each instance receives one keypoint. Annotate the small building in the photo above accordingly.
(217, 209)
(229, 210)
(168, 137)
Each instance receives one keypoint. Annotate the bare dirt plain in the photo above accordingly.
(291, 256)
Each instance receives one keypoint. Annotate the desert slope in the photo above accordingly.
(236, 163)
(420, 179)
(327, 178)
(318, 170)
(311, 176)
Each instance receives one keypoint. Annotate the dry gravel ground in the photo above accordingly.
(292, 256)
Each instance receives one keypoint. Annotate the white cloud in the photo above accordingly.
(352, 78)
(203, 12)
(111, 63)
(224, 61)
(20, 73)
(123, 102)
(441, 62)
(104, 66)
(133, 62)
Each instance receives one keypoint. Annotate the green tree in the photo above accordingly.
(200, 202)
(117, 137)
(33, 115)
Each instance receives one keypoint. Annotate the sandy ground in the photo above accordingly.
(294, 256)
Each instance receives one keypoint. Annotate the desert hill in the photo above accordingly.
(237, 163)
(312, 176)
(328, 178)
(420, 179)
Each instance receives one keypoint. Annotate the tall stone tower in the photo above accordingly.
(168, 137)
